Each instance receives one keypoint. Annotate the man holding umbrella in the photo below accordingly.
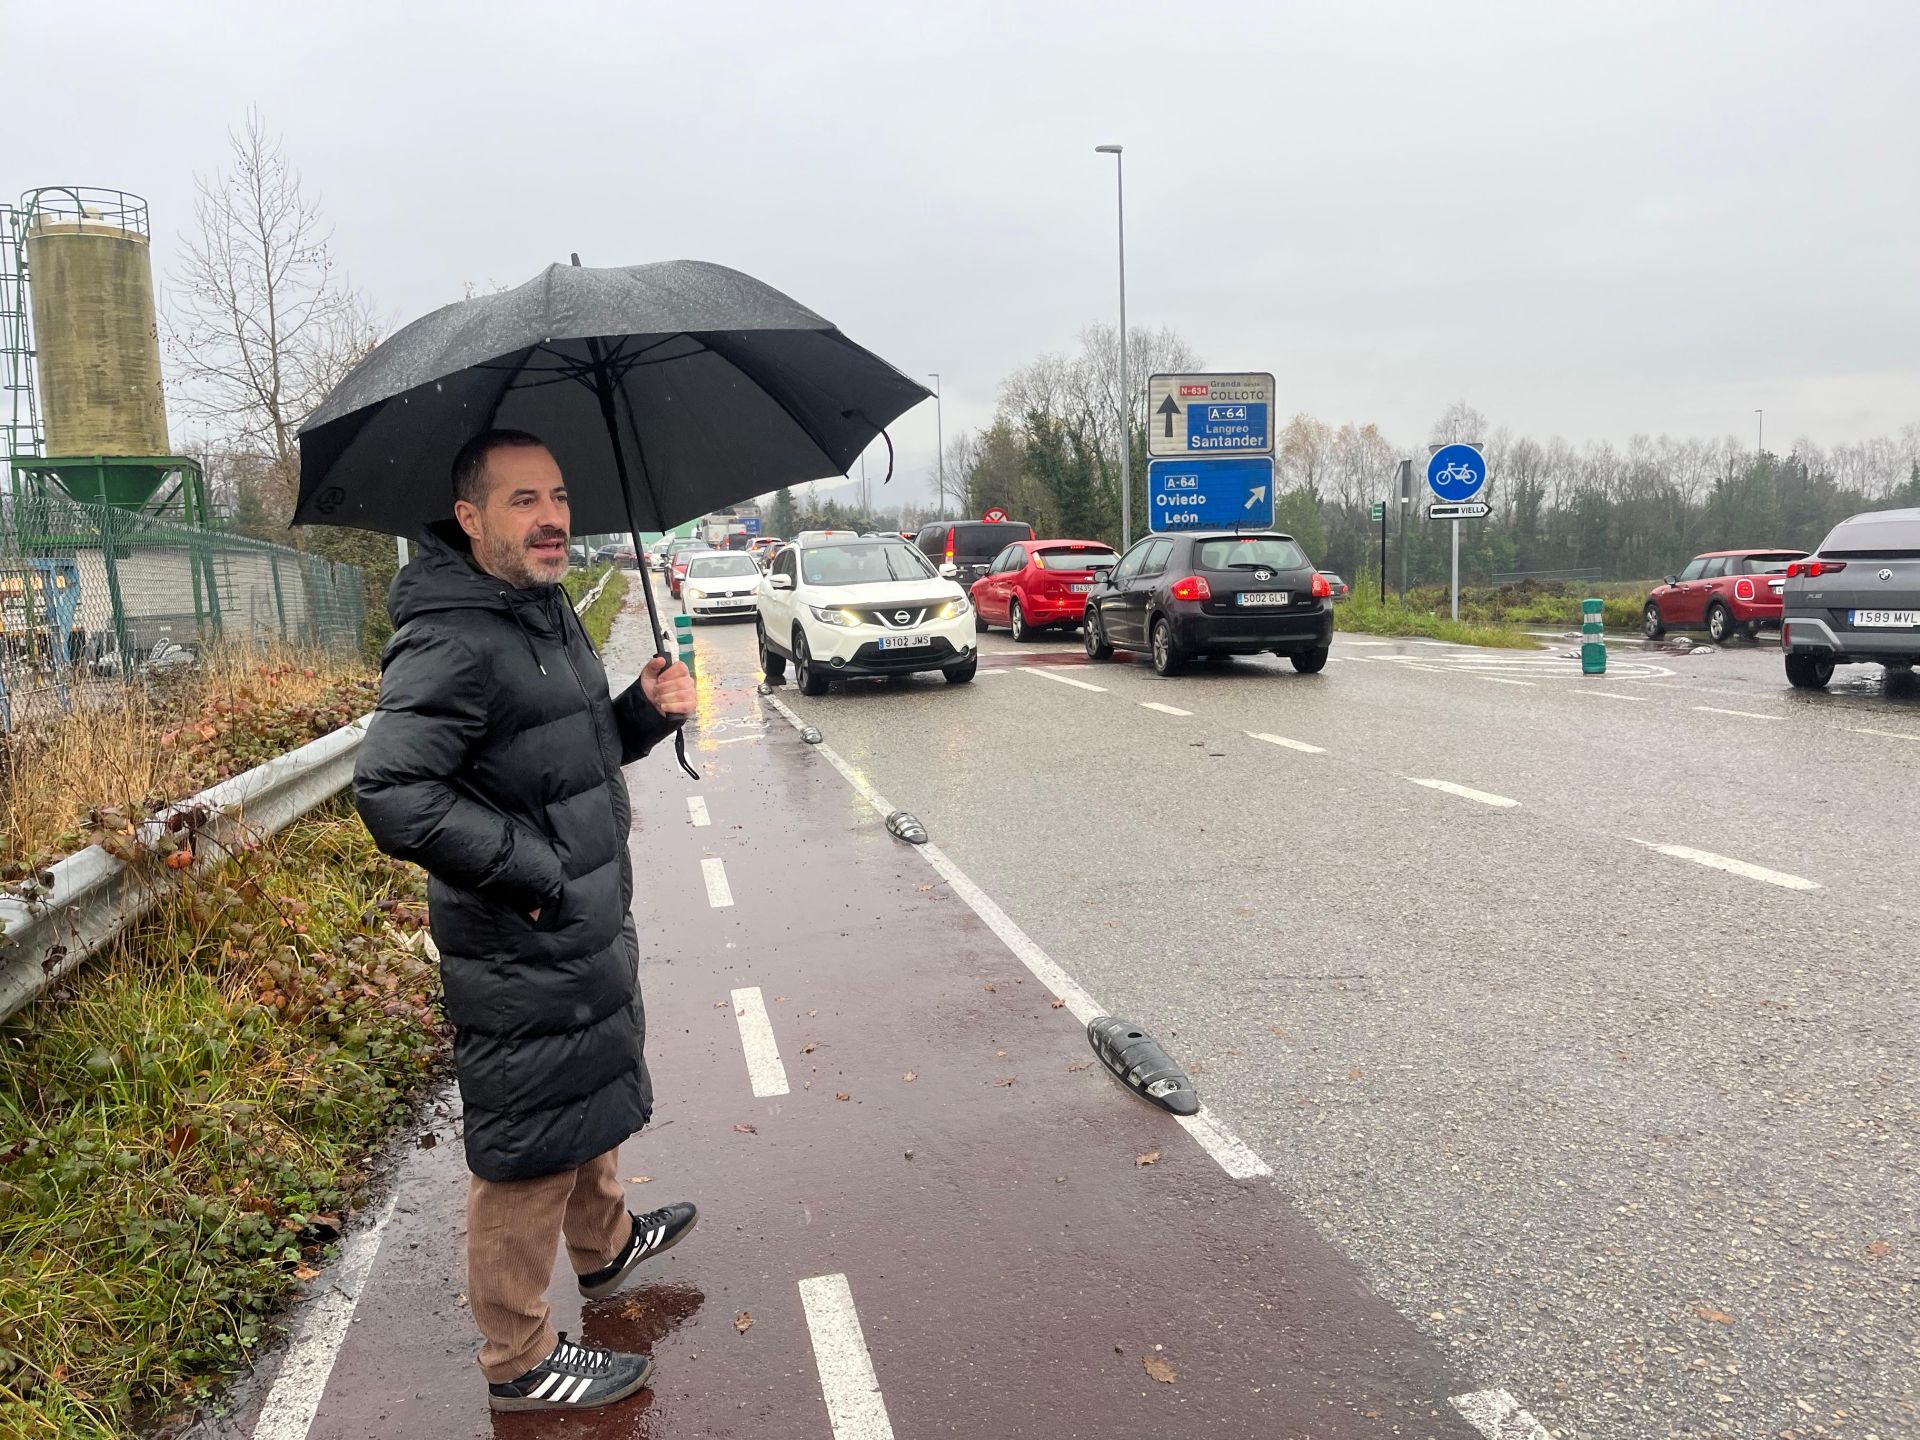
(493, 762)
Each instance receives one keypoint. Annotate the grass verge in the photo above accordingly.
(1366, 614)
(161, 740)
(185, 1124)
(598, 619)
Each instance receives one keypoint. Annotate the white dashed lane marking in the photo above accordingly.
(1498, 680)
(1062, 679)
(764, 1071)
(719, 894)
(1163, 709)
(1888, 734)
(847, 1382)
(1613, 695)
(697, 810)
(1744, 714)
(1733, 867)
(1499, 801)
(1282, 740)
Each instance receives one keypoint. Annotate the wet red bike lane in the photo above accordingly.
(1027, 1249)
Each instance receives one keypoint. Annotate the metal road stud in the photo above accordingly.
(1593, 642)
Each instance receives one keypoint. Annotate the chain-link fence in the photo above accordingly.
(91, 597)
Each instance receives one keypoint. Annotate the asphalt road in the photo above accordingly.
(1628, 1130)
(1557, 1037)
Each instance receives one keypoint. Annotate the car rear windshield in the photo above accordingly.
(1082, 559)
(981, 541)
(866, 564)
(1875, 537)
(707, 565)
(1249, 552)
(1765, 564)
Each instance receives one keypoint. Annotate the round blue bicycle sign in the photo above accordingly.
(1456, 472)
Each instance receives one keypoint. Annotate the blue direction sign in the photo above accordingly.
(1227, 427)
(1456, 472)
(1214, 493)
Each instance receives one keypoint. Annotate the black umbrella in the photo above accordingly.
(705, 385)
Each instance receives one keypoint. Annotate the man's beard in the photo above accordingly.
(513, 560)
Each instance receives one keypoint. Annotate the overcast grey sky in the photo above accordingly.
(1591, 220)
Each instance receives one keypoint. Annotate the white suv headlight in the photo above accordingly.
(846, 619)
(950, 609)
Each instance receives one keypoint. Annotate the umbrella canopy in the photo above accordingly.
(696, 384)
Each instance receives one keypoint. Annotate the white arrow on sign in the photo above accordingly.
(1259, 494)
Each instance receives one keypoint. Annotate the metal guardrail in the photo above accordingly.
(94, 896)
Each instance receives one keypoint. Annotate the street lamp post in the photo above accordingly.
(1126, 398)
(939, 440)
(1760, 433)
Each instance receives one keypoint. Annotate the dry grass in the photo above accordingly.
(155, 741)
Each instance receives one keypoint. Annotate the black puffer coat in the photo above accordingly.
(493, 762)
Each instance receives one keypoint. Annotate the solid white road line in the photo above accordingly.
(295, 1397)
(851, 1389)
(719, 895)
(1465, 794)
(1227, 1150)
(1163, 709)
(1732, 867)
(1062, 679)
(1888, 734)
(1501, 680)
(1498, 1416)
(1612, 695)
(764, 1070)
(1299, 745)
(1745, 714)
(697, 810)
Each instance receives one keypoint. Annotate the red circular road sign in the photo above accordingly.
(995, 516)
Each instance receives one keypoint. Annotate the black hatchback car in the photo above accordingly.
(1215, 594)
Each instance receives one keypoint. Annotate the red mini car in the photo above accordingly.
(1034, 585)
(1726, 592)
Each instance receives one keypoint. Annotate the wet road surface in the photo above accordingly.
(924, 1212)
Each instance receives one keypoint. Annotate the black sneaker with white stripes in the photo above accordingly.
(653, 1232)
(574, 1377)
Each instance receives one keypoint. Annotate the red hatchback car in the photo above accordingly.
(1035, 585)
(1726, 592)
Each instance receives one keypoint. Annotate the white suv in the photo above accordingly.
(842, 608)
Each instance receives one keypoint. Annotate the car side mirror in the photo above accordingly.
(1673, 579)
(949, 571)
(782, 582)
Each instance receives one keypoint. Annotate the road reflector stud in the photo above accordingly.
(764, 688)
(907, 828)
(811, 736)
(1139, 1062)
(1593, 641)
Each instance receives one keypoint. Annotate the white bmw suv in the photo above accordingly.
(844, 607)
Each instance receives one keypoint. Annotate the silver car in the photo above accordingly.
(1856, 600)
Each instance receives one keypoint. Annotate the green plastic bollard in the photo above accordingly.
(683, 634)
(1593, 640)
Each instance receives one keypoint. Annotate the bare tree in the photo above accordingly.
(263, 324)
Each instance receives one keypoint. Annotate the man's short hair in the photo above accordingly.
(470, 465)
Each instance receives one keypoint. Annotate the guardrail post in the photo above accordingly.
(1593, 639)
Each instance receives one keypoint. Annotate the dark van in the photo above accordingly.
(969, 545)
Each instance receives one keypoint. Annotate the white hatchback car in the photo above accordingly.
(841, 609)
(723, 583)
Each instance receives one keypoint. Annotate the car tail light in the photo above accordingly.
(1194, 587)
(1743, 589)
(1814, 569)
(1321, 590)
(949, 547)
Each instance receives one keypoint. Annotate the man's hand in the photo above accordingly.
(668, 687)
